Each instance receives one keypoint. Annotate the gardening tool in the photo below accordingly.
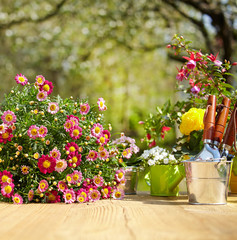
(230, 134)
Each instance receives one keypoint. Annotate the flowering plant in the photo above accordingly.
(54, 149)
(158, 156)
(200, 75)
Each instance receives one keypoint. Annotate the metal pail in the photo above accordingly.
(207, 180)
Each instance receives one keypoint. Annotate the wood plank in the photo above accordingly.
(136, 217)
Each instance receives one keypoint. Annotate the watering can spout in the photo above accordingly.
(177, 178)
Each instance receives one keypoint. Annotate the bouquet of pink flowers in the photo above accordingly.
(54, 149)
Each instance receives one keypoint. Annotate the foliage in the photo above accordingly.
(55, 149)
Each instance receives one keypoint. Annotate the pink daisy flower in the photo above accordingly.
(118, 194)
(7, 189)
(21, 79)
(94, 195)
(76, 176)
(97, 130)
(62, 186)
(71, 147)
(92, 156)
(69, 178)
(17, 199)
(33, 131)
(40, 80)
(68, 125)
(25, 169)
(84, 108)
(81, 198)
(47, 87)
(75, 132)
(69, 196)
(41, 96)
(42, 132)
(7, 136)
(103, 154)
(120, 175)
(30, 195)
(46, 164)
(101, 140)
(98, 181)
(74, 119)
(5, 177)
(75, 157)
(53, 108)
(101, 104)
(83, 192)
(8, 117)
(55, 153)
(127, 153)
(106, 191)
(106, 135)
(61, 165)
(53, 197)
(3, 128)
(43, 185)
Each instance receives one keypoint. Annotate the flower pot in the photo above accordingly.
(165, 179)
(207, 181)
(233, 183)
(130, 176)
(143, 181)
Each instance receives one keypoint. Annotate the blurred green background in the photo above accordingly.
(115, 49)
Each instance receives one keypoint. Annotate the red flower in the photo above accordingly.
(53, 197)
(5, 176)
(46, 164)
(148, 136)
(152, 144)
(7, 136)
(163, 130)
(71, 147)
(194, 57)
(47, 87)
(75, 157)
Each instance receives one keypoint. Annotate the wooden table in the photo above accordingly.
(135, 217)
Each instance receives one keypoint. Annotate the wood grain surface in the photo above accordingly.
(135, 217)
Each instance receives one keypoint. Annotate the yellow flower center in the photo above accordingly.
(101, 104)
(8, 189)
(125, 153)
(61, 186)
(36, 156)
(118, 194)
(39, 80)
(97, 180)
(68, 125)
(59, 164)
(92, 155)
(30, 194)
(106, 191)
(24, 169)
(75, 177)
(16, 199)
(84, 194)
(46, 87)
(102, 154)
(69, 179)
(81, 199)
(74, 159)
(83, 108)
(72, 149)
(102, 139)
(41, 95)
(5, 135)
(106, 136)
(76, 132)
(68, 196)
(4, 178)
(97, 130)
(1, 128)
(120, 175)
(94, 195)
(46, 164)
(21, 79)
(33, 132)
(9, 117)
(42, 185)
(52, 197)
(41, 131)
(52, 107)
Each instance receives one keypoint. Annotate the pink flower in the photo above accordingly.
(106, 191)
(42, 132)
(71, 147)
(194, 57)
(6, 136)
(152, 144)
(17, 199)
(68, 125)
(94, 195)
(40, 80)
(74, 119)
(5, 177)
(191, 64)
(33, 131)
(46, 164)
(75, 132)
(96, 130)
(21, 79)
(53, 108)
(3, 128)
(213, 59)
(81, 198)
(61, 165)
(7, 189)
(31, 195)
(47, 87)
(53, 197)
(107, 135)
(76, 177)
(120, 175)
(163, 130)
(42, 95)
(98, 181)
(195, 89)
(141, 122)
(62, 186)
(8, 117)
(118, 194)
(76, 159)
(102, 140)
(182, 74)
(84, 108)
(43, 185)
(101, 104)
(92, 156)
(25, 169)
(69, 196)
(55, 153)
(103, 154)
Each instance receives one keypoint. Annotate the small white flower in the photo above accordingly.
(151, 162)
(166, 160)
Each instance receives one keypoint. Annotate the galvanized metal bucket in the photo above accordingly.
(207, 180)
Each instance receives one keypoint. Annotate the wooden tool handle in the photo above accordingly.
(221, 120)
(209, 118)
(229, 136)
